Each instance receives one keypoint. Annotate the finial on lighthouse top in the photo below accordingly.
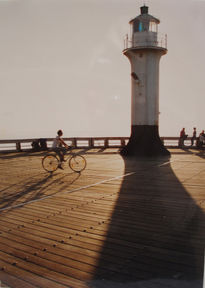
(144, 9)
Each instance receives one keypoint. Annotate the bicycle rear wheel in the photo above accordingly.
(77, 163)
(50, 163)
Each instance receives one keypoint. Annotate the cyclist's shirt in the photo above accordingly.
(56, 142)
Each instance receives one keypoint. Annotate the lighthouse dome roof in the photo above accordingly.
(144, 16)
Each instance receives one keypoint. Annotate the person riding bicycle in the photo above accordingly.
(57, 146)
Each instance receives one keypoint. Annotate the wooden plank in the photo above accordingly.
(71, 249)
(126, 224)
(52, 262)
(11, 281)
(93, 234)
(20, 269)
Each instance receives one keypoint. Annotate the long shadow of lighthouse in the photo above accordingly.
(156, 232)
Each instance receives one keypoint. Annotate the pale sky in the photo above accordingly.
(62, 67)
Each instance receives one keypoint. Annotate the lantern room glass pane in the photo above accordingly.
(153, 26)
(136, 26)
(141, 28)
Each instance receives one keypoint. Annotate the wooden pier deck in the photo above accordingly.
(121, 223)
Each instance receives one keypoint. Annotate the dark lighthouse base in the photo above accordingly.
(145, 142)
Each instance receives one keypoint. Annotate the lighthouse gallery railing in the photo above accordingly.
(160, 41)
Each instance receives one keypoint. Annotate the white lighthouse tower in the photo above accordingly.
(144, 50)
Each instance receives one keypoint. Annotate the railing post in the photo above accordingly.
(106, 143)
(91, 142)
(126, 41)
(122, 142)
(18, 146)
(74, 142)
(166, 41)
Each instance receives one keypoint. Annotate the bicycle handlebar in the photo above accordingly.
(69, 147)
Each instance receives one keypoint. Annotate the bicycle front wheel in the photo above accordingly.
(50, 163)
(77, 163)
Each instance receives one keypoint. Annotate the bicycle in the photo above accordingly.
(76, 162)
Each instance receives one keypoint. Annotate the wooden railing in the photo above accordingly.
(83, 142)
(79, 142)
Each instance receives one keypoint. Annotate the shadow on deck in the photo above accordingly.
(34, 188)
(156, 232)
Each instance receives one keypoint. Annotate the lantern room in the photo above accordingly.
(144, 29)
(144, 22)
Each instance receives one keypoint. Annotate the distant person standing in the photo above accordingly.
(201, 138)
(57, 146)
(182, 137)
(193, 137)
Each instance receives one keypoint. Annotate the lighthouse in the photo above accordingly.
(144, 49)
